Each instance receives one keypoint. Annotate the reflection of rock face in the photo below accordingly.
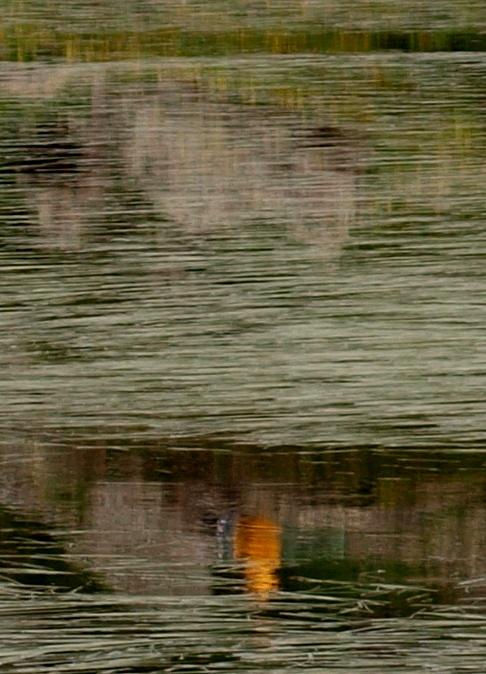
(209, 166)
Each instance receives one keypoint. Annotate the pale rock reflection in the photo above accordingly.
(214, 166)
(205, 165)
(34, 82)
(64, 211)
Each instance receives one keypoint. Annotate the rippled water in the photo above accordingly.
(242, 337)
(306, 272)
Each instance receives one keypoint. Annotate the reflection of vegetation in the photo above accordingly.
(344, 472)
(28, 43)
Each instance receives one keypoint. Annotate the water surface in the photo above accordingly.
(241, 337)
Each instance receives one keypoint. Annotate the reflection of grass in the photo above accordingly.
(26, 42)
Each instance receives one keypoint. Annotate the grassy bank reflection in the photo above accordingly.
(30, 43)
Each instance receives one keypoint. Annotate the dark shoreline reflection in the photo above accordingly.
(158, 520)
(32, 557)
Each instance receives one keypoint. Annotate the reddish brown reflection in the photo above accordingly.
(257, 540)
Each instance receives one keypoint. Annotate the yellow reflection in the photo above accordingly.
(258, 541)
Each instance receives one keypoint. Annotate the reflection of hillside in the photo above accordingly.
(158, 522)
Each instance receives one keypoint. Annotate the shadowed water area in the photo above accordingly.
(242, 319)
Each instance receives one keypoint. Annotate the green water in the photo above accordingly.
(242, 343)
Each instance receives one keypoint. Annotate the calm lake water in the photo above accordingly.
(242, 337)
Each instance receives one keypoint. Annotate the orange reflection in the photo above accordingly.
(258, 541)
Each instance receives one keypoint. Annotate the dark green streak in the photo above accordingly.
(27, 43)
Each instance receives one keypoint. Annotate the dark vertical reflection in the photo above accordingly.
(257, 542)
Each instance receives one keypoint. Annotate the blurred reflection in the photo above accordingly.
(157, 522)
(198, 161)
(32, 82)
(214, 166)
(63, 211)
(31, 556)
(257, 541)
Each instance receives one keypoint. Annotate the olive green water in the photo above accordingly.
(242, 337)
